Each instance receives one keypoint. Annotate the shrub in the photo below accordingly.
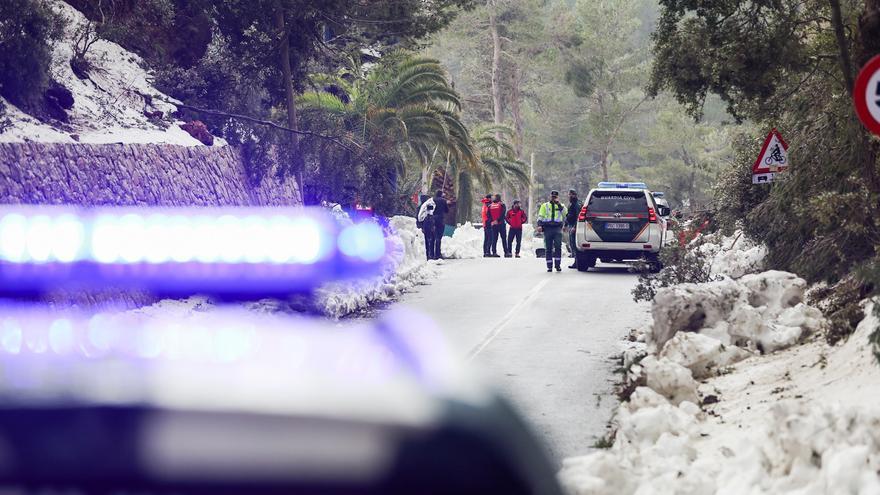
(27, 28)
(681, 264)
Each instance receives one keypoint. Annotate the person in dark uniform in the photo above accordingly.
(571, 223)
(441, 208)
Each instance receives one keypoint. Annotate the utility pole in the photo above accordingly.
(531, 187)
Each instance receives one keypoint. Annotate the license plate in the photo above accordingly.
(616, 226)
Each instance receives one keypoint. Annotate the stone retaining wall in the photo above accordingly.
(131, 175)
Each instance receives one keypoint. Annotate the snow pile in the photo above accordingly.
(110, 106)
(732, 256)
(404, 268)
(798, 449)
(804, 420)
(466, 243)
(760, 312)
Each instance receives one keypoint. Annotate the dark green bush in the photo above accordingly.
(27, 29)
(681, 264)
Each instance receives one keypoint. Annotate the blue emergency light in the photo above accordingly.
(622, 185)
(658, 194)
(170, 251)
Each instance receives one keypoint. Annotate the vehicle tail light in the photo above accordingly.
(652, 216)
(647, 246)
(583, 215)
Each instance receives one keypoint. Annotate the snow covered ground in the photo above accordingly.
(738, 393)
(405, 267)
(110, 106)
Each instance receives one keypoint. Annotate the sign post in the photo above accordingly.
(866, 95)
(772, 160)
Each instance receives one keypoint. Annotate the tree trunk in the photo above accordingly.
(842, 45)
(287, 81)
(496, 67)
(515, 110)
(496, 81)
(604, 163)
(516, 94)
(531, 213)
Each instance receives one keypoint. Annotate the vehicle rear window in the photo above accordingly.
(618, 202)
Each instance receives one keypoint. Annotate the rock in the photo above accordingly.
(58, 100)
(198, 130)
(61, 95)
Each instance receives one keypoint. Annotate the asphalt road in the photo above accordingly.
(548, 338)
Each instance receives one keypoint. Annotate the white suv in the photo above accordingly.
(620, 221)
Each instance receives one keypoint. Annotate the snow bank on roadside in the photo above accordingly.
(467, 242)
(111, 106)
(803, 420)
(732, 256)
(404, 268)
(759, 312)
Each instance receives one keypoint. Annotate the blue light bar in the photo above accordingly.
(622, 185)
(658, 194)
(221, 251)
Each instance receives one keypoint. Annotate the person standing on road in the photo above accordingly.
(441, 208)
(551, 217)
(497, 212)
(426, 223)
(516, 218)
(571, 223)
(487, 229)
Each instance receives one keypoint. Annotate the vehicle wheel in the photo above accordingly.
(585, 261)
(654, 263)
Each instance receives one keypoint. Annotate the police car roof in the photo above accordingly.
(616, 186)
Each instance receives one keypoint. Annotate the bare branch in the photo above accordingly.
(333, 139)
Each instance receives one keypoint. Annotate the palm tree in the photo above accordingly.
(406, 105)
(497, 166)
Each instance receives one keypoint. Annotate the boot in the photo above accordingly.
(517, 255)
(558, 267)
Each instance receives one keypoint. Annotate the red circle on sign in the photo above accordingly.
(860, 95)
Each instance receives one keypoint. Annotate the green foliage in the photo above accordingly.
(27, 28)
(402, 109)
(681, 264)
(769, 61)
(740, 50)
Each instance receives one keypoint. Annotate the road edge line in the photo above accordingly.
(496, 330)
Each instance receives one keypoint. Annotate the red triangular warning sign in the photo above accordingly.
(772, 159)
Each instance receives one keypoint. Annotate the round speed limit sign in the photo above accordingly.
(867, 95)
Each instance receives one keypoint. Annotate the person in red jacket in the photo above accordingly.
(516, 218)
(497, 211)
(487, 229)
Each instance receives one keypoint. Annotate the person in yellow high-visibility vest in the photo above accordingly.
(551, 217)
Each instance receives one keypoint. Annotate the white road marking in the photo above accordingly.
(496, 330)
